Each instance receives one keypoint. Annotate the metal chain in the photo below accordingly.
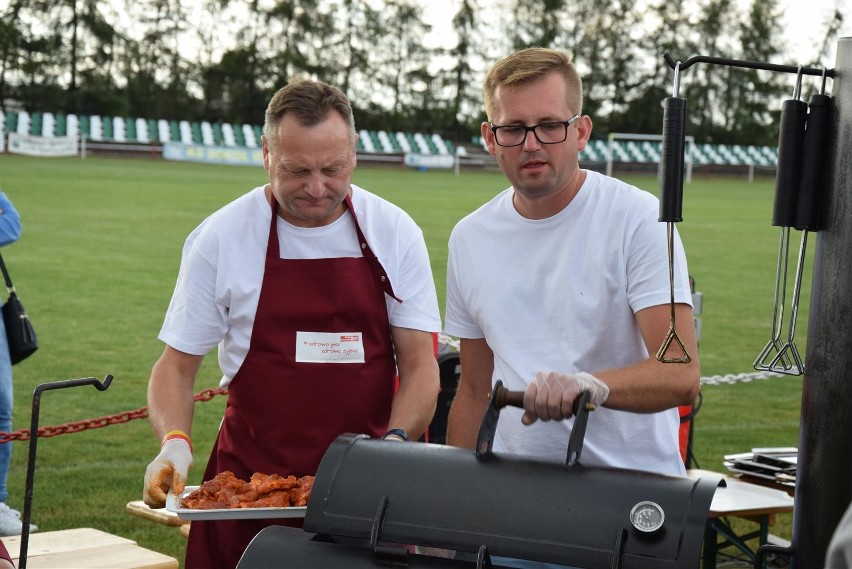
(208, 394)
(118, 418)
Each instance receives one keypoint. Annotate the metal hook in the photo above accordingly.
(797, 90)
(676, 86)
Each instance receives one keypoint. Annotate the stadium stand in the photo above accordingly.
(158, 131)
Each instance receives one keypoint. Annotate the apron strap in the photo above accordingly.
(377, 267)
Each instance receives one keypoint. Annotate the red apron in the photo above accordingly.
(282, 414)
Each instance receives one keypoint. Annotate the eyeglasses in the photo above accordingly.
(545, 133)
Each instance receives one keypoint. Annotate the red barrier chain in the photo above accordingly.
(118, 418)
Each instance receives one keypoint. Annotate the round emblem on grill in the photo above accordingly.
(647, 516)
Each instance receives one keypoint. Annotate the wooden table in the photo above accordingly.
(739, 499)
(86, 548)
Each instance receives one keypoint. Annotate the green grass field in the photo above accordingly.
(97, 263)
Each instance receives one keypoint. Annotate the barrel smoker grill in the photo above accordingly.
(371, 496)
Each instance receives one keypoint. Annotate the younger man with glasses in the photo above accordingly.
(560, 284)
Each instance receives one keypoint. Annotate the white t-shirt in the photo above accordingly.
(218, 286)
(560, 294)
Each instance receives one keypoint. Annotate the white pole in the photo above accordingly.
(609, 156)
(82, 146)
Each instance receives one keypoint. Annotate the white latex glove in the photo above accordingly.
(550, 396)
(168, 471)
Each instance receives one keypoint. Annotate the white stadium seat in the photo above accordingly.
(420, 141)
(95, 128)
(248, 134)
(163, 132)
(439, 144)
(23, 122)
(366, 140)
(185, 132)
(402, 140)
(48, 124)
(118, 133)
(142, 130)
(72, 126)
(207, 134)
(384, 139)
(228, 134)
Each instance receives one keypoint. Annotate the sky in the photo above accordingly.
(803, 20)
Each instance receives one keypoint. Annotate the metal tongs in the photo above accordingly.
(798, 187)
(501, 397)
(671, 200)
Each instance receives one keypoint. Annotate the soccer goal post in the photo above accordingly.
(651, 157)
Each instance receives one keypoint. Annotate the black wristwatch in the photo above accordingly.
(398, 432)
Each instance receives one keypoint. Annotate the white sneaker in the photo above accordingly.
(10, 521)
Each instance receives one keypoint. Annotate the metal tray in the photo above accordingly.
(173, 505)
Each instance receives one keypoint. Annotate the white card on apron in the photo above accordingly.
(330, 347)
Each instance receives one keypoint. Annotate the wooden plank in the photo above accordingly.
(86, 548)
(119, 556)
(50, 542)
(158, 515)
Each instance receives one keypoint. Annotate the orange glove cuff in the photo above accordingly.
(177, 435)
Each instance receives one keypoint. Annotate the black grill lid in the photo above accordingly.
(447, 497)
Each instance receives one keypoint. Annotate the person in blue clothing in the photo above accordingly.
(10, 519)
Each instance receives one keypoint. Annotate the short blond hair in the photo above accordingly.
(529, 65)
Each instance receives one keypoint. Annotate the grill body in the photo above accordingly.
(373, 491)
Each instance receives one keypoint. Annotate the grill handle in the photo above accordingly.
(502, 397)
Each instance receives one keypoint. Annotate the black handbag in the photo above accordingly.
(20, 333)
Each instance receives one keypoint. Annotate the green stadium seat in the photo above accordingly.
(175, 133)
(219, 135)
(197, 137)
(374, 138)
(433, 146)
(35, 124)
(153, 131)
(61, 127)
(130, 130)
(258, 134)
(12, 121)
(107, 125)
(239, 137)
(85, 126)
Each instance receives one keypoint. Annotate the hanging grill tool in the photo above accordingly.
(801, 164)
(671, 199)
(371, 496)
